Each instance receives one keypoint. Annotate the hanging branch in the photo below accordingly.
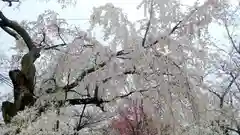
(91, 70)
(175, 27)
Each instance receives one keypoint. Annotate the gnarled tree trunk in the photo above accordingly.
(23, 80)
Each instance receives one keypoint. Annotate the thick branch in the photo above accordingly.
(99, 101)
(10, 32)
(91, 100)
(90, 70)
(5, 22)
(83, 74)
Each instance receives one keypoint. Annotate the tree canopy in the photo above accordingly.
(165, 74)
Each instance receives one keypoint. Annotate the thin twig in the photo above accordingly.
(54, 46)
(231, 39)
(79, 126)
(59, 34)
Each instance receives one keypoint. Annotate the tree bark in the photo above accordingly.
(23, 80)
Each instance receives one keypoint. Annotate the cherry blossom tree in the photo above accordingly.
(224, 67)
(80, 81)
(133, 120)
